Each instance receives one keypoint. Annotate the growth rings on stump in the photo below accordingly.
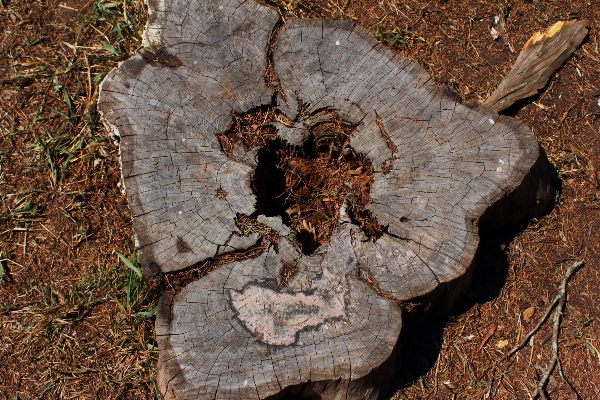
(410, 171)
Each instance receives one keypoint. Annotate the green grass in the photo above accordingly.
(2, 269)
(126, 333)
(85, 315)
(121, 283)
(389, 35)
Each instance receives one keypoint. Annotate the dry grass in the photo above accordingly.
(76, 321)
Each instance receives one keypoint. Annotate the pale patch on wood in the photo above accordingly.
(276, 318)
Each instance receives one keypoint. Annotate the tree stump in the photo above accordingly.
(306, 319)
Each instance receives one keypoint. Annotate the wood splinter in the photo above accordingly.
(543, 55)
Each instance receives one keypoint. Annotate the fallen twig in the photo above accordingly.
(556, 300)
(561, 297)
(564, 378)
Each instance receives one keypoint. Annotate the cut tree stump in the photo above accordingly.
(294, 321)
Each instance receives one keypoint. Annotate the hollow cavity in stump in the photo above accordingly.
(306, 184)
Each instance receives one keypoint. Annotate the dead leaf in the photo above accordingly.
(502, 344)
(292, 210)
(487, 337)
(450, 385)
(562, 236)
(528, 313)
(356, 171)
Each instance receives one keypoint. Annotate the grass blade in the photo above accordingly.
(135, 269)
(148, 314)
(110, 49)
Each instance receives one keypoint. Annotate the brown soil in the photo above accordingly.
(76, 322)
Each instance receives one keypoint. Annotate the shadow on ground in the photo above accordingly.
(421, 341)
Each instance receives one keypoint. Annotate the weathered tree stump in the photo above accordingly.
(330, 329)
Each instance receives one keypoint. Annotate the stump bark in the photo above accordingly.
(331, 330)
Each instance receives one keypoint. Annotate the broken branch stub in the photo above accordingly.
(542, 55)
(330, 327)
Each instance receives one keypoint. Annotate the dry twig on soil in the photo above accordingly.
(560, 299)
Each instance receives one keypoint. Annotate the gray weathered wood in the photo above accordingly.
(168, 115)
(541, 57)
(332, 331)
(452, 160)
(233, 334)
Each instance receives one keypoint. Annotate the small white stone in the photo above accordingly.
(491, 121)
(598, 102)
(337, 42)
(180, 212)
(501, 162)
(220, 7)
(498, 169)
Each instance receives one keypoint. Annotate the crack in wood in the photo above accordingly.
(393, 148)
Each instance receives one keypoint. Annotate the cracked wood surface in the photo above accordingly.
(332, 331)
(168, 116)
(233, 334)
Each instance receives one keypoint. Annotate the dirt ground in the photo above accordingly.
(76, 321)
